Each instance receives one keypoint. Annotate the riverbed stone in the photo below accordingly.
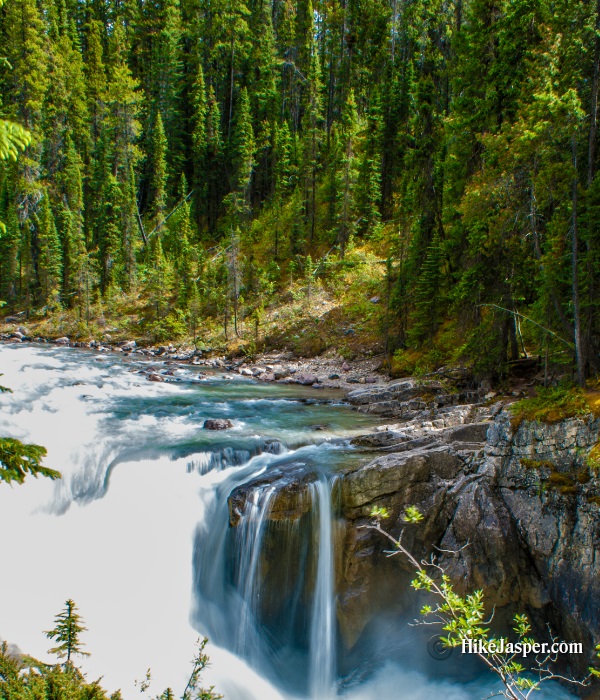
(217, 424)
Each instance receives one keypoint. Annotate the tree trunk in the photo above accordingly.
(579, 354)
(594, 100)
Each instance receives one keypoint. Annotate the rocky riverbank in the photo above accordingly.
(330, 371)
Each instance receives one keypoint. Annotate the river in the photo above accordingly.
(137, 532)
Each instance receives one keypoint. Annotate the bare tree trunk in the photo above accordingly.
(579, 353)
(594, 100)
(231, 87)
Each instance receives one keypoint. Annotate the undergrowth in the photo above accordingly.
(553, 404)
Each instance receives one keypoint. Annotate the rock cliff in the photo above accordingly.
(522, 499)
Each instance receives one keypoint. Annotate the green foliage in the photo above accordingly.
(412, 515)
(67, 633)
(463, 621)
(592, 459)
(553, 404)
(13, 138)
(319, 131)
(25, 678)
(18, 459)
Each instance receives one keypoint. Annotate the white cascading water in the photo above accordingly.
(322, 633)
(137, 530)
(250, 548)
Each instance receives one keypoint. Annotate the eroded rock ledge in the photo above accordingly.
(523, 498)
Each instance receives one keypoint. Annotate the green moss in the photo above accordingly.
(593, 457)
(537, 464)
(583, 476)
(560, 480)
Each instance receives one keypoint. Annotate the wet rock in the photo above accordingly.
(245, 372)
(217, 424)
(152, 377)
(128, 345)
(384, 438)
(62, 341)
(290, 500)
(306, 379)
(473, 432)
(334, 376)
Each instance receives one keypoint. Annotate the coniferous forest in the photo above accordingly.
(425, 169)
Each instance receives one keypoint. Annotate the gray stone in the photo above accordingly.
(217, 424)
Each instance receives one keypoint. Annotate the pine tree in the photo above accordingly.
(67, 633)
(312, 134)
(243, 146)
(50, 254)
(95, 74)
(158, 182)
(347, 174)
(200, 146)
(213, 160)
(167, 81)
(427, 301)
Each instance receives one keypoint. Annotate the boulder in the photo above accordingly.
(217, 424)
(62, 341)
(306, 379)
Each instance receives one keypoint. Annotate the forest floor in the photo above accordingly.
(298, 323)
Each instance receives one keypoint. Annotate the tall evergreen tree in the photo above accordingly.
(67, 633)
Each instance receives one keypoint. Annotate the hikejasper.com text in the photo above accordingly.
(503, 646)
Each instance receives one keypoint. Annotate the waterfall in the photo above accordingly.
(250, 537)
(322, 656)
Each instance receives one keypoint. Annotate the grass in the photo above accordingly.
(554, 404)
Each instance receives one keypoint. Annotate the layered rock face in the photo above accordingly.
(512, 510)
(525, 503)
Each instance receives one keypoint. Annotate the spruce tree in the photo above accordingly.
(200, 146)
(50, 253)
(243, 146)
(67, 633)
(158, 180)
